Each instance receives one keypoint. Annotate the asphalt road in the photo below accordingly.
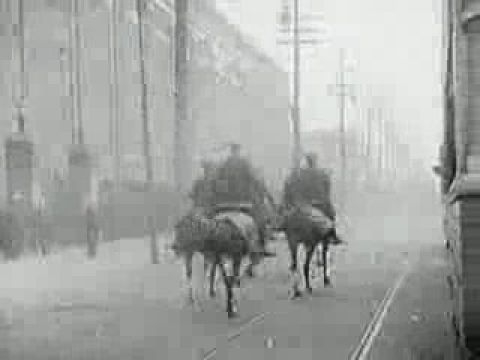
(121, 307)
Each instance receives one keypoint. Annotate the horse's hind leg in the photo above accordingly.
(228, 281)
(293, 246)
(306, 267)
(318, 260)
(188, 273)
(254, 261)
(326, 277)
(213, 273)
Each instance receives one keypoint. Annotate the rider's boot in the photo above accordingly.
(336, 239)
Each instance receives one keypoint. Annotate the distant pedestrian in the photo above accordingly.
(40, 225)
(93, 228)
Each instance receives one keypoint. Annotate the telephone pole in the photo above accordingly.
(342, 91)
(380, 143)
(310, 38)
(183, 160)
(114, 120)
(369, 124)
(149, 197)
(343, 160)
(64, 106)
(297, 150)
(71, 70)
(78, 71)
(22, 94)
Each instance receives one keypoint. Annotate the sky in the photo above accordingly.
(393, 53)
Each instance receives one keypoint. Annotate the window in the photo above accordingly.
(473, 25)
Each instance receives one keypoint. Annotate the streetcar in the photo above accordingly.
(460, 165)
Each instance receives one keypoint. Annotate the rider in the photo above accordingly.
(310, 186)
(238, 183)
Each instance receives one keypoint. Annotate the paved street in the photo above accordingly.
(418, 324)
(121, 307)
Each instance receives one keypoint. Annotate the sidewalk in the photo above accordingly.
(121, 268)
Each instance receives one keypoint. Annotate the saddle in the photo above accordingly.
(243, 222)
(246, 208)
(317, 217)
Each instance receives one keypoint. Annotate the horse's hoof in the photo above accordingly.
(309, 290)
(188, 302)
(327, 283)
(295, 294)
(212, 294)
(249, 273)
(232, 314)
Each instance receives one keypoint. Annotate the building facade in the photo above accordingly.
(237, 93)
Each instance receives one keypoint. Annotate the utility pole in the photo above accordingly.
(71, 70)
(78, 72)
(342, 91)
(380, 143)
(63, 57)
(183, 161)
(149, 200)
(20, 101)
(114, 121)
(343, 160)
(370, 115)
(311, 39)
(297, 150)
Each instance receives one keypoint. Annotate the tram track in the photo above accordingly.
(371, 331)
(210, 354)
(368, 336)
(361, 351)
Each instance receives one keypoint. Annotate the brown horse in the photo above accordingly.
(300, 228)
(222, 241)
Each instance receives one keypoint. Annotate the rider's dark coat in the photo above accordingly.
(202, 193)
(237, 182)
(310, 186)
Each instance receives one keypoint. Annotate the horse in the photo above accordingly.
(222, 240)
(301, 228)
(263, 226)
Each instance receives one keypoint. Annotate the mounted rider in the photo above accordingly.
(310, 185)
(310, 188)
(237, 187)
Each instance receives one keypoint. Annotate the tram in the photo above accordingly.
(460, 164)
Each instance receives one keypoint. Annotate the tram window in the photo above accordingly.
(473, 26)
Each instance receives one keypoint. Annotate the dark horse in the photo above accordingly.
(222, 240)
(300, 228)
